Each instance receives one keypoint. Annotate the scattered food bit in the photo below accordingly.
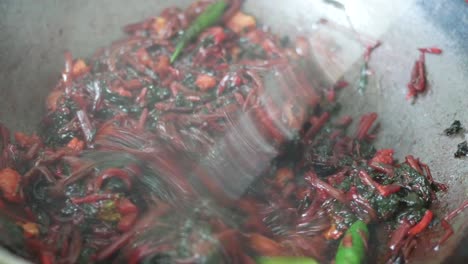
(240, 22)
(363, 80)
(10, 184)
(205, 82)
(417, 83)
(454, 129)
(462, 150)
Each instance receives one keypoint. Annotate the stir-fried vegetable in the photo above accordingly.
(142, 160)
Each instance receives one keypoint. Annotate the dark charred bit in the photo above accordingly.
(455, 129)
(462, 150)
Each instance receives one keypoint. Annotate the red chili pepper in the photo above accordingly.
(94, 198)
(431, 50)
(423, 224)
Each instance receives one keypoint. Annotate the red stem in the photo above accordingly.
(431, 50)
(314, 181)
(457, 211)
(384, 190)
(399, 234)
(423, 224)
(142, 120)
(414, 163)
(365, 124)
(317, 124)
(448, 232)
(116, 245)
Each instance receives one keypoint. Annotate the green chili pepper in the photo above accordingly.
(206, 19)
(286, 260)
(353, 246)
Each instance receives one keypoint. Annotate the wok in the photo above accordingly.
(34, 35)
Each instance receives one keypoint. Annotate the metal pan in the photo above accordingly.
(34, 35)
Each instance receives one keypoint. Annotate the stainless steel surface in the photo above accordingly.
(34, 34)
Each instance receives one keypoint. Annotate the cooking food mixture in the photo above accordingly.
(124, 167)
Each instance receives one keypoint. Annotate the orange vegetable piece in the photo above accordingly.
(240, 22)
(205, 82)
(332, 233)
(76, 144)
(53, 99)
(283, 175)
(79, 67)
(26, 141)
(30, 229)
(159, 26)
(10, 184)
(162, 65)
